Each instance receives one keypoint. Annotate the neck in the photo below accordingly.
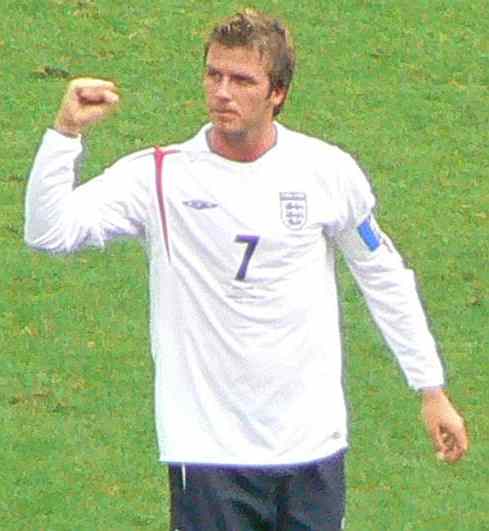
(243, 146)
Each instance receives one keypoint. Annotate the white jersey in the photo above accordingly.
(245, 326)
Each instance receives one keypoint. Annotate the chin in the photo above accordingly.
(228, 127)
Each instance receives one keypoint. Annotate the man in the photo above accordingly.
(241, 224)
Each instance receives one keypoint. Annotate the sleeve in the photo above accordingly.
(61, 217)
(349, 191)
(391, 293)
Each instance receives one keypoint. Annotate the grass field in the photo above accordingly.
(403, 85)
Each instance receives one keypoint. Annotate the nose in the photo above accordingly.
(223, 89)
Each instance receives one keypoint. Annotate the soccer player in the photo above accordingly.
(241, 225)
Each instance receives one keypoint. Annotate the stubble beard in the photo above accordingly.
(228, 132)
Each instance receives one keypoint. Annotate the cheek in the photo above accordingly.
(254, 100)
(259, 104)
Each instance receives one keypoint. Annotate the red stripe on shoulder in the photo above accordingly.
(159, 156)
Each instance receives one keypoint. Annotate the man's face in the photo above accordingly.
(237, 89)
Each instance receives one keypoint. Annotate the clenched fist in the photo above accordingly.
(85, 102)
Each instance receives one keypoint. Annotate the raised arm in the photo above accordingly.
(62, 217)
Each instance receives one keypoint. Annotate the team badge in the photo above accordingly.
(293, 209)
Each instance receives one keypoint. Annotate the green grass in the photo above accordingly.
(401, 85)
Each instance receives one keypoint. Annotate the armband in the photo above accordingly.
(370, 233)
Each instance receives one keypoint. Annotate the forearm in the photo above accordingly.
(394, 303)
(406, 332)
(52, 180)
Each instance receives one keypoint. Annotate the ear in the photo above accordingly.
(278, 96)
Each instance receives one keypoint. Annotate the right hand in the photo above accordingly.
(85, 102)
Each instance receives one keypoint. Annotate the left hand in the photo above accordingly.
(445, 426)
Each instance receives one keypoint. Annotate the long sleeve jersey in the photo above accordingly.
(245, 327)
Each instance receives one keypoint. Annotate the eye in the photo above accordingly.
(244, 80)
(214, 75)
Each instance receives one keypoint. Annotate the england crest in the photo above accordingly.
(293, 209)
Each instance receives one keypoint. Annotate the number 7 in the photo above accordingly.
(251, 243)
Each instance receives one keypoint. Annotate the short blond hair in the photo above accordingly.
(254, 29)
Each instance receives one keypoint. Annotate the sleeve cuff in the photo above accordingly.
(56, 135)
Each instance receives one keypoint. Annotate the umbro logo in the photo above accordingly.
(199, 204)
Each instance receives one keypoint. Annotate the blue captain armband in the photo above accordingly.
(370, 234)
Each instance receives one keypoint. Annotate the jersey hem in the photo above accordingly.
(343, 448)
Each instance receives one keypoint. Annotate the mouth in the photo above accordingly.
(224, 112)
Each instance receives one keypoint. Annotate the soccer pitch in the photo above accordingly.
(403, 86)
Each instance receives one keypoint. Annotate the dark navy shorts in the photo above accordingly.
(308, 497)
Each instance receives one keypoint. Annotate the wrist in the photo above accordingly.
(432, 393)
(66, 126)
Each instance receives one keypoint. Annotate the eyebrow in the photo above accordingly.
(237, 75)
